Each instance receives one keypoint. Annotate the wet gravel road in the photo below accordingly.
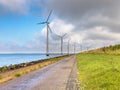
(52, 77)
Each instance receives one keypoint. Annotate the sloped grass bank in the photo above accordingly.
(99, 71)
(8, 73)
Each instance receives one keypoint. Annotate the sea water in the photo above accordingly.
(8, 59)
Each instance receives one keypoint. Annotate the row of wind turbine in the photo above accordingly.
(47, 38)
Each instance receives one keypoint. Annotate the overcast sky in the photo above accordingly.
(92, 23)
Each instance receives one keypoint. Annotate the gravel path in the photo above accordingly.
(52, 77)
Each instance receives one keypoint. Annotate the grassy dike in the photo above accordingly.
(8, 73)
(99, 71)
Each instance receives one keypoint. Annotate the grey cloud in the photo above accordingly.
(97, 36)
(75, 9)
(79, 12)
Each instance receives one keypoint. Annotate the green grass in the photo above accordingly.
(99, 71)
(18, 74)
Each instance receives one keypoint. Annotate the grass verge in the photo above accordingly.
(99, 71)
(9, 75)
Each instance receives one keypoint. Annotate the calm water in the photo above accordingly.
(7, 59)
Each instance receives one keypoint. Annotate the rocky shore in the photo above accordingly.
(21, 65)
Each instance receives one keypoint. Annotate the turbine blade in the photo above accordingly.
(49, 16)
(49, 28)
(59, 36)
(41, 23)
(53, 32)
(64, 35)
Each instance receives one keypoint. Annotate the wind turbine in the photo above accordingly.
(74, 47)
(80, 47)
(88, 48)
(68, 46)
(47, 38)
(61, 37)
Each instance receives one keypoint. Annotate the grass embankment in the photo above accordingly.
(6, 75)
(99, 71)
(112, 49)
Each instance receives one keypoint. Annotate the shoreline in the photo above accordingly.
(17, 70)
(24, 64)
(12, 59)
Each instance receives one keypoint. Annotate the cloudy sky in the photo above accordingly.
(91, 23)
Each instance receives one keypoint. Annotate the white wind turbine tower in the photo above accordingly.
(68, 46)
(47, 38)
(61, 37)
(74, 47)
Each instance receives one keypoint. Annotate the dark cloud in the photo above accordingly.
(75, 9)
(80, 12)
